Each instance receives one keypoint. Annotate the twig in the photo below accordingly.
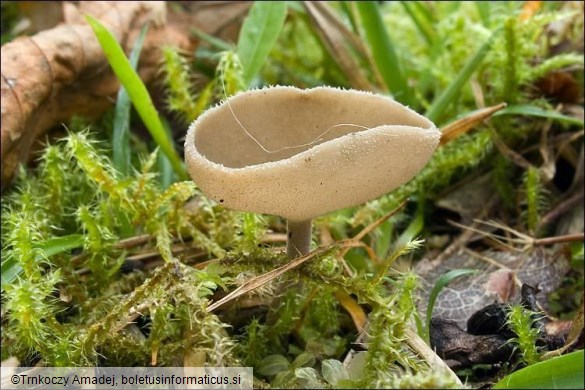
(525, 240)
(261, 280)
(559, 239)
(418, 345)
(560, 209)
(131, 242)
(513, 156)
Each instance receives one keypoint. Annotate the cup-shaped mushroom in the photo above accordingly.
(302, 153)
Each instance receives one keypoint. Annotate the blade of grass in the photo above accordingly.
(167, 175)
(383, 50)
(483, 8)
(562, 372)
(350, 15)
(56, 245)
(529, 110)
(213, 41)
(451, 93)
(414, 11)
(137, 92)
(10, 267)
(121, 136)
(440, 284)
(259, 34)
(427, 78)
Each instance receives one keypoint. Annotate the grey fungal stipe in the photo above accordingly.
(300, 153)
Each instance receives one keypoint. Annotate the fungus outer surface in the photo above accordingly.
(371, 145)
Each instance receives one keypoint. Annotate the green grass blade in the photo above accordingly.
(121, 136)
(440, 284)
(137, 92)
(9, 270)
(213, 41)
(561, 372)
(451, 93)
(483, 8)
(383, 50)
(61, 244)
(259, 34)
(414, 11)
(349, 14)
(167, 175)
(529, 110)
(10, 267)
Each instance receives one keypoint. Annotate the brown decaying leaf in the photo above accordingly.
(334, 41)
(58, 73)
(40, 15)
(61, 72)
(537, 266)
(469, 198)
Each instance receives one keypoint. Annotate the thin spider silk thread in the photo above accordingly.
(319, 137)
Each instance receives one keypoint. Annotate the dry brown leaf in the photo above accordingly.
(469, 198)
(465, 295)
(220, 19)
(39, 15)
(61, 72)
(58, 73)
(334, 40)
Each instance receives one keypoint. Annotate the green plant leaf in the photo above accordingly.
(121, 136)
(440, 284)
(451, 93)
(529, 110)
(308, 378)
(333, 371)
(305, 359)
(259, 34)
(562, 372)
(383, 50)
(137, 92)
(274, 364)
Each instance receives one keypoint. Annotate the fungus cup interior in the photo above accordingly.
(302, 153)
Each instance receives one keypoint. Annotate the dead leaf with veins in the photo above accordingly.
(501, 275)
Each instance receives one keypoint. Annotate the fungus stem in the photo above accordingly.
(298, 235)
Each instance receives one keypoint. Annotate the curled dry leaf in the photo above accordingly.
(61, 72)
(51, 76)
